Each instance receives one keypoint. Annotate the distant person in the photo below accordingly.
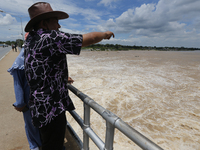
(16, 47)
(22, 97)
(13, 47)
(46, 70)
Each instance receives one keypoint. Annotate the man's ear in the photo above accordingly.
(43, 24)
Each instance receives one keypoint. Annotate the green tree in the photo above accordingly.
(19, 42)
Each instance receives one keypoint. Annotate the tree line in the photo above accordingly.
(18, 41)
(117, 47)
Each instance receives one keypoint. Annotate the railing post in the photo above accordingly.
(86, 125)
(110, 130)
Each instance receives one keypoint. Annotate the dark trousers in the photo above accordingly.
(52, 134)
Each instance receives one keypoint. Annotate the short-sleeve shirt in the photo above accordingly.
(47, 72)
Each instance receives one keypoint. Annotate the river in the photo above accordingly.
(155, 92)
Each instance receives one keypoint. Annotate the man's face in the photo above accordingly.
(52, 24)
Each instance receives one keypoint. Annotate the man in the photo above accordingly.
(16, 47)
(46, 70)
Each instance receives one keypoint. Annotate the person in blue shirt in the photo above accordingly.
(22, 91)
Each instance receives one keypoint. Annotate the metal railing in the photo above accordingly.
(112, 122)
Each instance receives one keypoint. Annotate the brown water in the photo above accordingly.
(157, 93)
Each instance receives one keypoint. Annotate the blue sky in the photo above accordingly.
(134, 22)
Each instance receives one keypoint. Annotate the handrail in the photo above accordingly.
(112, 122)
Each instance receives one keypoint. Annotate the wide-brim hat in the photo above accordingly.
(40, 11)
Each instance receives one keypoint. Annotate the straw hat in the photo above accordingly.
(40, 11)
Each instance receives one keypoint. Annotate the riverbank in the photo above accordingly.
(117, 47)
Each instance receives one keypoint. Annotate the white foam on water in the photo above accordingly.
(158, 94)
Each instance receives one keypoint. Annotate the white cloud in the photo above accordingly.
(108, 25)
(71, 31)
(169, 23)
(165, 19)
(107, 2)
(74, 10)
(7, 19)
(16, 7)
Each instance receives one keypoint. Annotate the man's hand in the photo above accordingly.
(70, 80)
(95, 37)
(108, 35)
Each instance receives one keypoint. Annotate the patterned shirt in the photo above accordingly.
(47, 73)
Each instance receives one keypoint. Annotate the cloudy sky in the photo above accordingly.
(134, 22)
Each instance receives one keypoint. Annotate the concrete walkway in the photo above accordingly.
(12, 132)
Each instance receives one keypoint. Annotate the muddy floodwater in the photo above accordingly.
(155, 92)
